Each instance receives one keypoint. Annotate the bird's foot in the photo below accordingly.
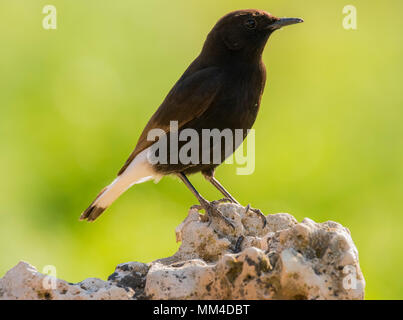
(258, 212)
(211, 209)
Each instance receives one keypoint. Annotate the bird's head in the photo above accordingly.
(245, 31)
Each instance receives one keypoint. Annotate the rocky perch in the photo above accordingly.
(276, 259)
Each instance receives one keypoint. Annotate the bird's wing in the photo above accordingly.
(189, 98)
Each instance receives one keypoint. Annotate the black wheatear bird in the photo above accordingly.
(221, 89)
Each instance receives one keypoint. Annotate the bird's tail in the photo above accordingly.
(137, 172)
(104, 199)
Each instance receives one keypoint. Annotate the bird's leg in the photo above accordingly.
(210, 178)
(206, 205)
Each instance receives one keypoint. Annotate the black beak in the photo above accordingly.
(282, 22)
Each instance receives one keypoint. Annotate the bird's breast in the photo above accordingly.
(238, 104)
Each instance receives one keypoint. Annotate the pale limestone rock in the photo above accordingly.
(282, 260)
(24, 282)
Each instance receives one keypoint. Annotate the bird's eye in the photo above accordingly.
(251, 23)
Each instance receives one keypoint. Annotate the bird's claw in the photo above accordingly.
(258, 212)
(211, 209)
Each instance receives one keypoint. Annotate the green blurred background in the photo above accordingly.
(73, 102)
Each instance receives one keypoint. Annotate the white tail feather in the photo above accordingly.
(139, 171)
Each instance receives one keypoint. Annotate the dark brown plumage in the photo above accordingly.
(221, 89)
